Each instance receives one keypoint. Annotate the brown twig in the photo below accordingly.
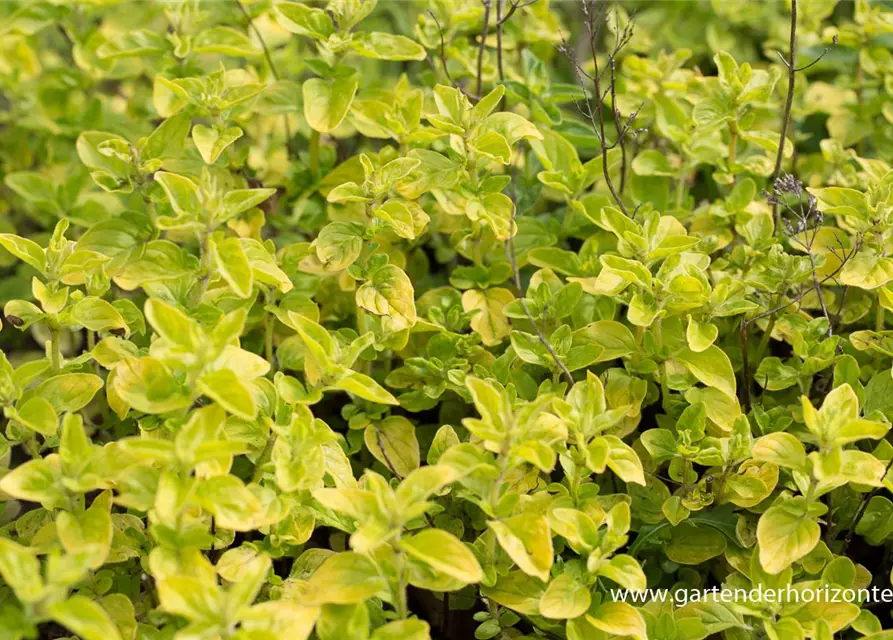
(594, 13)
(790, 63)
(514, 6)
(499, 22)
(484, 30)
(745, 387)
(443, 60)
(809, 221)
(273, 71)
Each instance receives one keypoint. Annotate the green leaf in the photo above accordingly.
(445, 553)
(147, 385)
(88, 531)
(412, 629)
(387, 46)
(35, 481)
(25, 250)
(326, 102)
(785, 533)
(339, 244)
(226, 389)
(497, 210)
(38, 415)
(304, 20)
(194, 598)
(212, 141)
(225, 41)
(652, 163)
(702, 619)
(527, 541)
(614, 453)
(393, 443)
(232, 264)
(700, 335)
(344, 578)
(22, 314)
(365, 387)
(566, 597)
(389, 293)
(96, 314)
(876, 523)
(782, 449)
(625, 571)
(692, 545)
(618, 618)
(489, 321)
(252, 576)
(20, 569)
(70, 392)
(841, 201)
(34, 188)
(172, 324)
(511, 127)
(181, 192)
(712, 367)
(168, 138)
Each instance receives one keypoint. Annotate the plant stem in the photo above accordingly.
(480, 69)
(55, 350)
(786, 114)
(733, 141)
(269, 325)
(680, 188)
(400, 604)
(499, 40)
(272, 66)
(205, 269)
(264, 458)
(314, 154)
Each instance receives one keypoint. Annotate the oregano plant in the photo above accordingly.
(358, 320)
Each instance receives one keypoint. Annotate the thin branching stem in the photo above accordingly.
(269, 59)
(516, 276)
(499, 23)
(594, 13)
(745, 392)
(482, 46)
(514, 6)
(786, 114)
(791, 64)
(443, 60)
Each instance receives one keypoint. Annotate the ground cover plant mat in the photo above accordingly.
(446, 319)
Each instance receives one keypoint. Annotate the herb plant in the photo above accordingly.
(445, 319)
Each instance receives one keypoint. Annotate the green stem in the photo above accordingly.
(400, 603)
(269, 325)
(767, 335)
(733, 141)
(264, 458)
(205, 267)
(314, 154)
(55, 351)
(680, 188)
(91, 340)
(878, 326)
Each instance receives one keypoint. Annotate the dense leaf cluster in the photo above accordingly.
(444, 318)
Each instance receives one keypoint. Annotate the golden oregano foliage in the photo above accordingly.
(440, 318)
